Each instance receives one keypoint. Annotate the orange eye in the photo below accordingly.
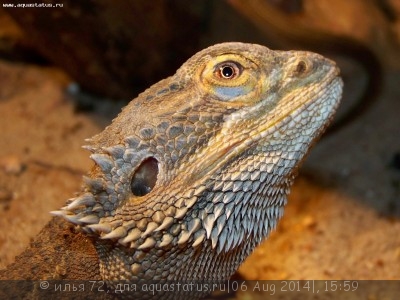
(228, 70)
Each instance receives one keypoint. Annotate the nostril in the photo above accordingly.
(301, 67)
(145, 177)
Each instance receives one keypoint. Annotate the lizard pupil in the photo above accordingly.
(145, 177)
(227, 72)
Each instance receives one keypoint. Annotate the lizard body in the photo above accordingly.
(194, 172)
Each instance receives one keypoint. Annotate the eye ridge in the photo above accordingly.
(228, 70)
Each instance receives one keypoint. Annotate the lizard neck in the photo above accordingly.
(209, 260)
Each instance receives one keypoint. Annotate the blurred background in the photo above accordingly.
(66, 70)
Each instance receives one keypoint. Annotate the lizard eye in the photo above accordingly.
(230, 77)
(228, 70)
(145, 177)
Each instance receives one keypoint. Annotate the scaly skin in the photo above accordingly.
(194, 172)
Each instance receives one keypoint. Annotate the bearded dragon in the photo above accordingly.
(194, 173)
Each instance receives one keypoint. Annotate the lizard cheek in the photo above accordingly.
(145, 177)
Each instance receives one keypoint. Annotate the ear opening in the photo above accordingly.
(145, 177)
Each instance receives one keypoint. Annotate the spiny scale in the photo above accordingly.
(103, 161)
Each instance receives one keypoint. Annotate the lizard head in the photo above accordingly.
(205, 158)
